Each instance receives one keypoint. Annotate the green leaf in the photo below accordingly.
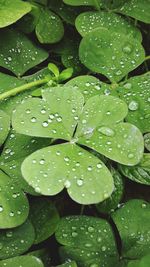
(4, 126)
(88, 21)
(65, 74)
(44, 217)
(136, 9)
(112, 54)
(88, 85)
(16, 241)
(96, 3)
(86, 178)
(68, 264)
(132, 222)
(143, 262)
(110, 204)
(50, 117)
(54, 69)
(135, 92)
(147, 141)
(50, 29)
(16, 148)
(87, 240)
(14, 205)
(43, 254)
(24, 261)
(11, 11)
(139, 173)
(18, 53)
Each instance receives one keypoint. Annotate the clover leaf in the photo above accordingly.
(139, 173)
(24, 261)
(11, 11)
(87, 240)
(88, 21)
(134, 234)
(105, 58)
(68, 120)
(18, 53)
(16, 241)
(14, 207)
(4, 126)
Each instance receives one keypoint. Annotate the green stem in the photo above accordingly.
(22, 88)
(147, 58)
(96, 4)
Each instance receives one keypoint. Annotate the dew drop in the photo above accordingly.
(133, 105)
(33, 119)
(42, 161)
(45, 124)
(130, 156)
(79, 182)
(99, 165)
(90, 229)
(67, 184)
(106, 131)
(1, 209)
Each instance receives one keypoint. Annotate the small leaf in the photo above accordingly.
(87, 240)
(14, 207)
(86, 178)
(54, 69)
(50, 29)
(11, 11)
(18, 53)
(16, 241)
(44, 217)
(4, 126)
(133, 232)
(139, 173)
(98, 52)
(23, 261)
(65, 74)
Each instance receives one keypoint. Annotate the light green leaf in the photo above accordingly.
(86, 178)
(87, 240)
(50, 117)
(65, 74)
(14, 205)
(11, 11)
(18, 53)
(132, 222)
(139, 173)
(16, 241)
(135, 92)
(24, 261)
(98, 52)
(50, 29)
(88, 21)
(137, 9)
(4, 126)
(44, 217)
(122, 142)
(147, 141)
(100, 111)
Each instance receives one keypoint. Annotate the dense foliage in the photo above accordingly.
(74, 133)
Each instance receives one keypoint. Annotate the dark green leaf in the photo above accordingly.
(22, 261)
(4, 126)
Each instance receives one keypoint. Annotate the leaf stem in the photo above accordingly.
(22, 88)
(147, 58)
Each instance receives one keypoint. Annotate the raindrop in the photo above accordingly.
(66, 159)
(42, 161)
(130, 156)
(127, 49)
(133, 105)
(74, 234)
(67, 184)
(1, 209)
(45, 124)
(99, 165)
(89, 168)
(79, 182)
(103, 248)
(106, 131)
(33, 119)
(90, 229)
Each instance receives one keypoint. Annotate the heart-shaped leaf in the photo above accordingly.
(135, 92)
(44, 217)
(4, 126)
(87, 240)
(88, 21)
(11, 11)
(86, 178)
(50, 29)
(139, 173)
(16, 241)
(23, 261)
(18, 53)
(14, 207)
(98, 52)
(132, 221)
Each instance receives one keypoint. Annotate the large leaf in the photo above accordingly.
(22, 261)
(87, 240)
(112, 54)
(44, 217)
(11, 11)
(4, 126)
(86, 178)
(50, 29)
(50, 117)
(132, 221)
(88, 21)
(139, 173)
(137, 9)
(14, 205)
(18, 53)
(16, 241)
(135, 92)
